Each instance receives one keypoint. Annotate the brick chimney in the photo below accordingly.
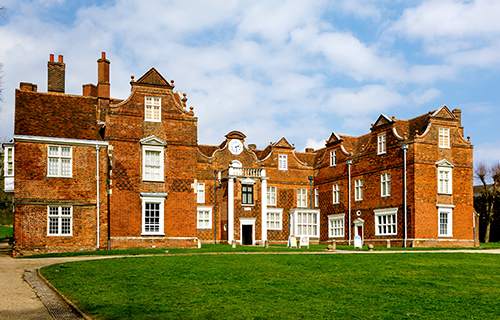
(56, 74)
(458, 114)
(103, 85)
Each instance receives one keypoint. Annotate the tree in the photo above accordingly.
(490, 193)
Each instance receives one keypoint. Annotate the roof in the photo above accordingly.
(56, 115)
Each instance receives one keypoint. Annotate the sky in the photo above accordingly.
(271, 69)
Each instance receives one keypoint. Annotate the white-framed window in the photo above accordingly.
(153, 208)
(9, 161)
(444, 138)
(271, 196)
(204, 218)
(200, 192)
(307, 224)
(358, 189)
(282, 162)
(152, 109)
(336, 226)
(333, 158)
(336, 193)
(444, 180)
(60, 161)
(386, 222)
(152, 163)
(247, 194)
(381, 149)
(445, 220)
(60, 221)
(274, 219)
(385, 184)
(302, 198)
(316, 197)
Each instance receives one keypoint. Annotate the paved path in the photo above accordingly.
(18, 299)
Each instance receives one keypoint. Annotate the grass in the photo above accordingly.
(211, 248)
(312, 286)
(6, 232)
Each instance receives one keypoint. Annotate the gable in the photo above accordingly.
(283, 143)
(382, 120)
(235, 135)
(153, 78)
(443, 113)
(334, 138)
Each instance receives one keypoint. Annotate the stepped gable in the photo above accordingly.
(152, 78)
(56, 115)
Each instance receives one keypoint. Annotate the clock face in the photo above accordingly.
(235, 146)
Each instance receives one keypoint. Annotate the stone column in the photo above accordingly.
(264, 206)
(230, 210)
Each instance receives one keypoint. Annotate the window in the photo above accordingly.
(271, 196)
(444, 138)
(282, 162)
(204, 218)
(385, 184)
(316, 197)
(200, 190)
(386, 222)
(60, 221)
(274, 219)
(9, 162)
(333, 158)
(302, 198)
(307, 224)
(153, 213)
(152, 162)
(381, 144)
(358, 190)
(336, 226)
(444, 180)
(59, 162)
(246, 194)
(336, 193)
(152, 110)
(445, 220)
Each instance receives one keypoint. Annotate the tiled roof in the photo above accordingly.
(56, 115)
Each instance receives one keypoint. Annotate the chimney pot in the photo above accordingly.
(60, 57)
(103, 55)
(51, 57)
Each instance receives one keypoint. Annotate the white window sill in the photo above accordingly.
(64, 177)
(247, 204)
(335, 237)
(152, 234)
(144, 180)
(59, 235)
(204, 228)
(274, 229)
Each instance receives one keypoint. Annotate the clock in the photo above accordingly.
(235, 146)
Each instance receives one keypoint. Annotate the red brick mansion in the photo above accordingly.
(91, 172)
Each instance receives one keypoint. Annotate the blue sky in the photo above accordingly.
(298, 69)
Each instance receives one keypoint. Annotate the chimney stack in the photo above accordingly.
(458, 114)
(103, 85)
(56, 74)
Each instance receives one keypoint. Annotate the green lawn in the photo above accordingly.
(6, 232)
(279, 286)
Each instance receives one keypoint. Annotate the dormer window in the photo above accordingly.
(282, 162)
(152, 109)
(444, 138)
(333, 158)
(381, 144)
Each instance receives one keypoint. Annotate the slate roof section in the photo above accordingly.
(56, 115)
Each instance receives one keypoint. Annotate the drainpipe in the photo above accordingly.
(311, 192)
(405, 148)
(349, 163)
(97, 148)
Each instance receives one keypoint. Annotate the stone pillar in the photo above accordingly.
(263, 202)
(230, 210)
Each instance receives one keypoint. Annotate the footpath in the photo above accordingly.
(24, 295)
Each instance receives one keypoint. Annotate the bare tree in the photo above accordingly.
(491, 192)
